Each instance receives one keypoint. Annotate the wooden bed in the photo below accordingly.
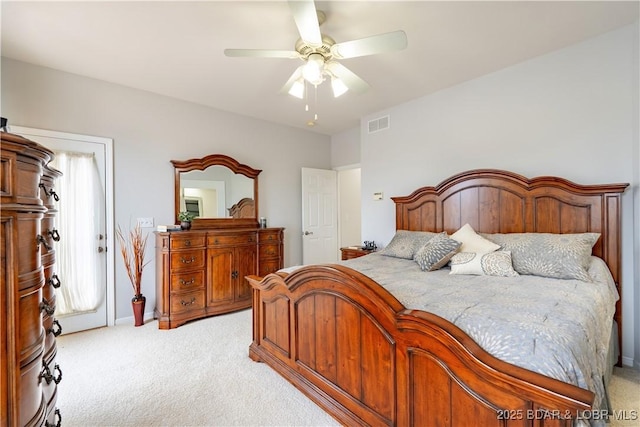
(357, 352)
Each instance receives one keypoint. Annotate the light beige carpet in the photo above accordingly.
(200, 375)
(624, 393)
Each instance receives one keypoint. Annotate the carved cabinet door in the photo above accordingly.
(220, 276)
(246, 265)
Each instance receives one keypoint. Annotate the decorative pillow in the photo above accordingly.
(560, 256)
(496, 263)
(405, 243)
(472, 241)
(436, 253)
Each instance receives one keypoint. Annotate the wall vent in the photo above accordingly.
(378, 124)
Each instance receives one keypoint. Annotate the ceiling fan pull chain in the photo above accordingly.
(315, 103)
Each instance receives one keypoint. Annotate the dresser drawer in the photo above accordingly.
(269, 266)
(187, 301)
(231, 239)
(269, 251)
(187, 281)
(187, 241)
(267, 236)
(182, 260)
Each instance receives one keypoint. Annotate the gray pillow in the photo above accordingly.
(436, 253)
(560, 256)
(405, 243)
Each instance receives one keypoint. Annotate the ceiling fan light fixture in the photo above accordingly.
(297, 89)
(313, 70)
(338, 87)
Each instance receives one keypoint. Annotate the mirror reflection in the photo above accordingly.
(217, 192)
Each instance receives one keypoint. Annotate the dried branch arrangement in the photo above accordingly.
(133, 248)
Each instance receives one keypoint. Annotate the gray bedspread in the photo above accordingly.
(558, 328)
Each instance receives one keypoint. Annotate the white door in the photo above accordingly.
(319, 216)
(84, 254)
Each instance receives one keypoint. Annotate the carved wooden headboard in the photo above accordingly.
(496, 201)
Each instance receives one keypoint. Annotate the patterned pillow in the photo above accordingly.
(405, 243)
(436, 253)
(492, 264)
(472, 241)
(560, 256)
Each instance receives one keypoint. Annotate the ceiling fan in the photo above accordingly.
(320, 53)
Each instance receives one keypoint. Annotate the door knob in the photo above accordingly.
(306, 233)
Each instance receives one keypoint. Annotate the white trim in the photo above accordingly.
(110, 255)
(129, 320)
(628, 361)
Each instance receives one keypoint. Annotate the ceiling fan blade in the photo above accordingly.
(294, 77)
(306, 17)
(348, 77)
(262, 53)
(387, 42)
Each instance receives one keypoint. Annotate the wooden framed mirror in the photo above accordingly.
(219, 190)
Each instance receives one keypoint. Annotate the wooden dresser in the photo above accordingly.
(201, 273)
(29, 374)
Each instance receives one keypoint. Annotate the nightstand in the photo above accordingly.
(353, 252)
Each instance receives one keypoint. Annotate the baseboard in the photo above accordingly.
(628, 361)
(129, 320)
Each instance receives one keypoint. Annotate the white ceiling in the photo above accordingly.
(176, 48)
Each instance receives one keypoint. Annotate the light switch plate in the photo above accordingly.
(145, 222)
(377, 196)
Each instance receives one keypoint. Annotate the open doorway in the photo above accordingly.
(349, 206)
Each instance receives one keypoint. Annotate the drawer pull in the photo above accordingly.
(270, 237)
(190, 282)
(58, 422)
(54, 235)
(58, 417)
(43, 241)
(49, 193)
(234, 274)
(271, 252)
(187, 242)
(46, 374)
(47, 308)
(54, 281)
(251, 238)
(186, 304)
(53, 330)
(187, 261)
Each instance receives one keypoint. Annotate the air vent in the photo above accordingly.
(378, 124)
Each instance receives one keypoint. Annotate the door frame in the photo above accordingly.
(109, 203)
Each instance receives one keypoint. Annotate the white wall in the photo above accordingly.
(635, 70)
(150, 130)
(572, 113)
(345, 148)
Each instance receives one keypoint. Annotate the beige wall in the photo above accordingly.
(150, 130)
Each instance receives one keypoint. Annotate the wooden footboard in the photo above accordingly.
(350, 346)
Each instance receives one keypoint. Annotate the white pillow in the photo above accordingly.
(492, 264)
(472, 241)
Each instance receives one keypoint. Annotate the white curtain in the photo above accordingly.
(79, 222)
